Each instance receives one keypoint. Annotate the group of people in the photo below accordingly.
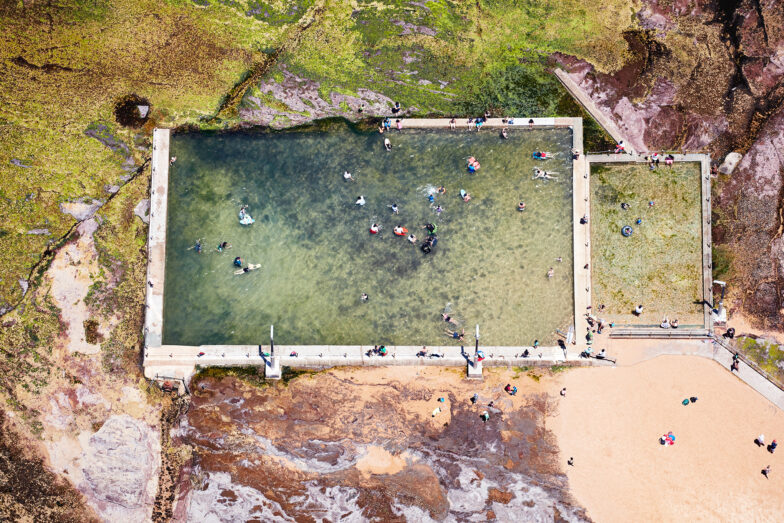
(653, 160)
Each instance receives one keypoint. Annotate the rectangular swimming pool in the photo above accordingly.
(317, 256)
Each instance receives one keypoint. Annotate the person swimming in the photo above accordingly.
(374, 229)
(543, 175)
(550, 273)
(521, 206)
(412, 238)
(504, 133)
(394, 208)
(347, 176)
(464, 195)
(473, 164)
(447, 318)
(625, 206)
(429, 244)
(431, 198)
(439, 210)
(197, 247)
(360, 201)
(238, 261)
(387, 144)
(456, 335)
(431, 228)
(224, 245)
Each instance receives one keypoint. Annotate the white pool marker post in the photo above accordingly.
(272, 366)
(475, 364)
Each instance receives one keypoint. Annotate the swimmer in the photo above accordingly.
(521, 206)
(374, 229)
(360, 201)
(543, 175)
(504, 133)
(439, 210)
(465, 195)
(394, 208)
(223, 246)
(441, 190)
(431, 198)
(412, 238)
(347, 176)
(431, 228)
(173, 159)
(455, 335)
(242, 211)
(449, 319)
(238, 261)
(387, 144)
(559, 259)
(639, 221)
(381, 129)
(364, 297)
(625, 206)
(550, 273)
(197, 247)
(651, 203)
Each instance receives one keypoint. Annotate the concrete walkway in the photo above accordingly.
(583, 99)
(180, 362)
(156, 239)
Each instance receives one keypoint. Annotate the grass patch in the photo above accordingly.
(767, 354)
(252, 375)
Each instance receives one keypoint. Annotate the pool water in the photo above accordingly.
(317, 256)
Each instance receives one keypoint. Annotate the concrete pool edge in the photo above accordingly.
(179, 362)
(156, 239)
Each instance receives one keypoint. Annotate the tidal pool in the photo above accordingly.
(317, 256)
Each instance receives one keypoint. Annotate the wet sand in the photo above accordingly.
(610, 422)
(363, 444)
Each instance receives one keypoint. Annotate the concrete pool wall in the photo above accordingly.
(179, 362)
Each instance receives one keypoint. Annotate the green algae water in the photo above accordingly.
(317, 256)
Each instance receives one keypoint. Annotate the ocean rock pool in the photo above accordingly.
(317, 256)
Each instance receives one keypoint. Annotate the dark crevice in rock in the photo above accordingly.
(230, 103)
(43, 261)
(171, 462)
(47, 68)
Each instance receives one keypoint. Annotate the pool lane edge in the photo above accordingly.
(156, 243)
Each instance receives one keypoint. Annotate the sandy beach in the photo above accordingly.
(610, 422)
